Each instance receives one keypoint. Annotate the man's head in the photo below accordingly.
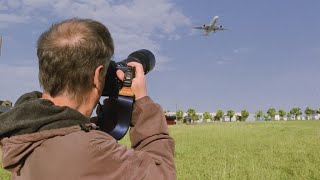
(69, 54)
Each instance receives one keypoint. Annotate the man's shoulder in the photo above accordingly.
(86, 138)
(88, 145)
(81, 144)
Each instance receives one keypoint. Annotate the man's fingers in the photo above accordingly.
(120, 74)
(138, 68)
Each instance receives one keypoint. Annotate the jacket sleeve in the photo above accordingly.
(150, 136)
(151, 155)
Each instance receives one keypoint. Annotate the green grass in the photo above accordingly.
(260, 150)
(4, 175)
(234, 150)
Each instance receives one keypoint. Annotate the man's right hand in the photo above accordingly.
(138, 86)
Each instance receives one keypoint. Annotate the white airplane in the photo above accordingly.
(211, 27)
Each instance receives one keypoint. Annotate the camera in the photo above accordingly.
(114, 116)
(113, 85)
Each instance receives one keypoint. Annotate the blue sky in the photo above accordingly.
(268, 57)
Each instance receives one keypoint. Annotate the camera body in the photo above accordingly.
(113, 85)
(129, 74)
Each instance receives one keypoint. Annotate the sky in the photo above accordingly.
(268, 58)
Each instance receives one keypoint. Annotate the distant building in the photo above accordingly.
(276, 117)
(315, 116)
(170, 118)
(312, 117)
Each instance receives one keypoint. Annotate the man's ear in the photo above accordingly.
(98, 79)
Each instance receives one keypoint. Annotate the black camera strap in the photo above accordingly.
(114, 117)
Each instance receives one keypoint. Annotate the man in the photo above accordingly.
(42, 137)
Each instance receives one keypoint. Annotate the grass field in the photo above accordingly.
(234, 150)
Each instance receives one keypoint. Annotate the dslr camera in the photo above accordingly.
(114, 116)
(113, 85)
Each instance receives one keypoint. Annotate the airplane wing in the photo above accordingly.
(218, 28)
(197, 27)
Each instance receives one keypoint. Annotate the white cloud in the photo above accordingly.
(134, 24)
(37, 3)
(6, 19)
(3, 6)
(14, 3)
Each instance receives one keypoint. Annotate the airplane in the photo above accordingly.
(211, 27)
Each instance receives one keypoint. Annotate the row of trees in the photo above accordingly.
(244, 114)
(294, 112)
(193, 116)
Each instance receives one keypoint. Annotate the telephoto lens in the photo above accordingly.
(144, 57)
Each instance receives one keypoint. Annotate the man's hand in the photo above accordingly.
(138, 86)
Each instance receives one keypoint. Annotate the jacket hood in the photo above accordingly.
(32, 114)
(29, 123)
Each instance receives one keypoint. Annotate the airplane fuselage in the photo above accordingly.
(208, 29)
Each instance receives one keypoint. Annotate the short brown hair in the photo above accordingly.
(68, 54)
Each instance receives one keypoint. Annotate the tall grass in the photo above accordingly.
(257, 150)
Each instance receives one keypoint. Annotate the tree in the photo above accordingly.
(266, 117)
(230, 113)
(195, 117)
(282, 113)
(219, 114)
(289, 115)
(244, 115)
(258, 115)
(308, 111)
(318, 111)
(191, 113)
(296, 112)
(206, 116)
(179, 115)
(272, 113)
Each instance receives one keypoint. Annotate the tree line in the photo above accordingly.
(294, 113)
(271, 114)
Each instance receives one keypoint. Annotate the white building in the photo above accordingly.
(315, 116)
